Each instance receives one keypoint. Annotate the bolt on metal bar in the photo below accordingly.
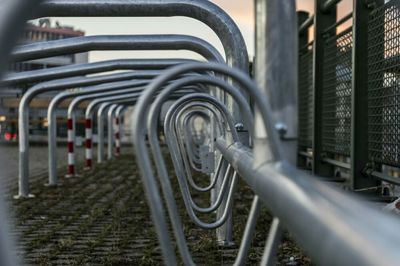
(319, 210)
(276, 72)
(139, 136)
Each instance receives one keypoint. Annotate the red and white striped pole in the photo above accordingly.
(88, 143)
(71, 155)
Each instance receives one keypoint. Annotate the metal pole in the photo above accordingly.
(322, 20)
(276, 73)
(12, 20)
(116, 42)
(126, 92)
(51, 114)
(205, 11)
(310, 209)
(88, 68)
(100, 132)
(23, 120)
(118, 129)
(110, 140)
(359, 112)
(303, 77)
(142, 110)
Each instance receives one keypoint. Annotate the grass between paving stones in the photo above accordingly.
(102, 218)
(67, 244)
(77, 212)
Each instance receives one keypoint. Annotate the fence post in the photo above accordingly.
(322, 20)
(302, 16)
(359, 112)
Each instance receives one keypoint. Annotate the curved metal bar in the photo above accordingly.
(155, 109)
(211, 81)
(188, 135)
(23, 121)
(242, 79)
(100, 131)
(180, 167)
(92, 94)
(88, 68)
(23, 118)
(248, 232)
(52, 120)
(88, 117)
(58, 85)
(177, 84)
(142, 109)
(323, 211)
(51, 115)
(177, 113)
(193, 155)
(116, 42)
(166, 185)
(204, 11)
(169, 129)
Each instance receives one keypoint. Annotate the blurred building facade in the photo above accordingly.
(41, 31)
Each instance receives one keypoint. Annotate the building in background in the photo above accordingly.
(42, 31)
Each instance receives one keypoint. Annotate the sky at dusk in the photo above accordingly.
(240, 10)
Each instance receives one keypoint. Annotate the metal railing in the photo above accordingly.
(330, 71)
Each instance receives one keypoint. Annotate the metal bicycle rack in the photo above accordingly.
(34, 51)
(258, 143)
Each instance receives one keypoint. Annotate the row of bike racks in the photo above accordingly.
(256, 143)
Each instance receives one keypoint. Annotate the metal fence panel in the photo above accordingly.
(337, 91)
(384, 85)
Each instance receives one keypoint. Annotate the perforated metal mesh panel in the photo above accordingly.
(305, 99)
(384, 84)
(337, 91)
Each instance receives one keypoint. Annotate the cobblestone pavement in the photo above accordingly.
(38, 161)
(102, 218)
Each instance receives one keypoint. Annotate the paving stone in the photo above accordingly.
(103, 218)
